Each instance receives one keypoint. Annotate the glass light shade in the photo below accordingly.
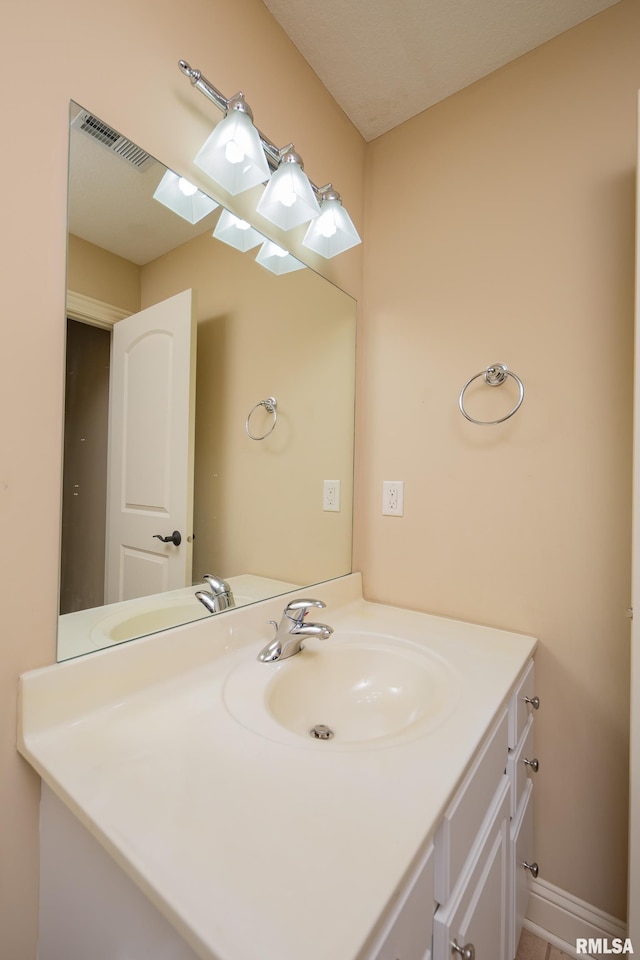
(233, 155)
(288, 199)
(332, 232)
(183, 198)
(277, 260)
(237, 233)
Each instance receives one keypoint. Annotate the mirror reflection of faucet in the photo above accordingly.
(218, 597)
(292, 630)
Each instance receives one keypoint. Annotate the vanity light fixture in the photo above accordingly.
(236, 232)
(290, 198)
(277, 260)
(183, 197)
(233, 155)
(333, 231)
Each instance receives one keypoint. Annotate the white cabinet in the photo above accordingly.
(523, 701)
(407, 934)
(463, 818)
(522, 769)
(483, 852)
(521, 854)
(473, 856)
(477, 911)
(89, 908)
(522, 766)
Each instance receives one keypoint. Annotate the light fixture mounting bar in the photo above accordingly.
(203, 85)
(272, 152)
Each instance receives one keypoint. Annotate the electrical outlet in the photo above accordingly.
(331, 496)
(393, 498)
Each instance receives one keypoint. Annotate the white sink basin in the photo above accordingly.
(349, 691)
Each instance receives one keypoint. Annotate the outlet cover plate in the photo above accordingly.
(331, 496)
(393, 498)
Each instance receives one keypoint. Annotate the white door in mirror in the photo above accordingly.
(151, 424)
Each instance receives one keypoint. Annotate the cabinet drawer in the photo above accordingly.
(477, 911)
(411, 926)
(522, 847)
(520, 710)
(520, 772)
(463, 818)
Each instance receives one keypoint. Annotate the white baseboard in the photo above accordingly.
(560, 918)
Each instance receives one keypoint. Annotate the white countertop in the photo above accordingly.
(297, 849)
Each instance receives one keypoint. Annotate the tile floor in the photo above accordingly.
(533, 948)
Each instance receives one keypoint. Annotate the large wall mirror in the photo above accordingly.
(156, 434)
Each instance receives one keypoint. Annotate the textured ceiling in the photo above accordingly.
(385, 61)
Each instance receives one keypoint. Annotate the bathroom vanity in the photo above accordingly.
(188, 813)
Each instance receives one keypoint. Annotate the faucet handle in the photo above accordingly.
(216, 584)
(298, 609)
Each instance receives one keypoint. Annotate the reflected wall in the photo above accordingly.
(258, 504)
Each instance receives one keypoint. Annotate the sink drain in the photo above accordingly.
(321, 732)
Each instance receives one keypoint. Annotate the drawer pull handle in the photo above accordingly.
(533, 868)
(534, 764)
(468, 952)
(534, 701)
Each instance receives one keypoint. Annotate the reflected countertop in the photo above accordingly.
(84, 631)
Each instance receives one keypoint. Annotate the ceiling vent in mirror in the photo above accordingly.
(112, 140)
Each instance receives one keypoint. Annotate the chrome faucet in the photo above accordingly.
(292, 630)
(218, 597)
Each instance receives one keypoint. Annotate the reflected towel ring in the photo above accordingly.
(494, 376)
(270, 405)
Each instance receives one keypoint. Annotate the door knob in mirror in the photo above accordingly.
(175, 538)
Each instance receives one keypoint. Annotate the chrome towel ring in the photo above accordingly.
(271, 406)
(494, 376)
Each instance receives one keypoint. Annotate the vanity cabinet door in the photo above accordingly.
(522, 852)
(477, 911)
(465, 814)
(410, 927)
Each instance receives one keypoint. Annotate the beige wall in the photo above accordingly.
(260, 335)
(103, 276)
(119, 60)
(500, 228)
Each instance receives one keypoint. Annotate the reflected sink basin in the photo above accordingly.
(150, 616)
(344, 692)
(169, 614)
